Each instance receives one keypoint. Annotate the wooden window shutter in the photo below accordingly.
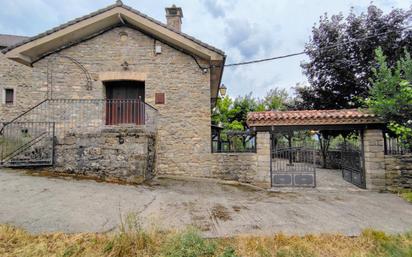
(159, 98)
(9, 96)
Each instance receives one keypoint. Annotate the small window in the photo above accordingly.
(9, 96)
(160, 98)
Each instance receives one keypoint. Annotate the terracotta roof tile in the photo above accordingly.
(312, 117)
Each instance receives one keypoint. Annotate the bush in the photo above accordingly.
(188, 244)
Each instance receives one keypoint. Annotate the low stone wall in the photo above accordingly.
(398, 172)
(235, 166)
(112, 154)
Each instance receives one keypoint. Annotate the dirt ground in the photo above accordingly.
(41, 204)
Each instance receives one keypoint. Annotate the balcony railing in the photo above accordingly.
(90, 115)
(395, 146)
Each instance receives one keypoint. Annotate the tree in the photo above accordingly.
(391, 94)
(339, 76)
(277, 99)
(232, 114)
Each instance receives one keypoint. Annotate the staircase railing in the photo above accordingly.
(24, 143)
(89, 115)
(31, 130)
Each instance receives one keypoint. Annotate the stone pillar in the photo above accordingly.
(262, 178)
(374, 159)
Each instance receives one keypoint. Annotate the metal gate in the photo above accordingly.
(293, 166)
(352, 164)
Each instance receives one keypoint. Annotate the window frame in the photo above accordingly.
(5, 96)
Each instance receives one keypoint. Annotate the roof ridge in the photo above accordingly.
(105, 9)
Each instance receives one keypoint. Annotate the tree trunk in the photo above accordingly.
(324, 147)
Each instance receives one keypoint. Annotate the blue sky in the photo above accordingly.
(244, 29)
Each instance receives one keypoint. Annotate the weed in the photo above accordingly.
(188, 244)
(133, 240)
(229, 252)
(407, 196)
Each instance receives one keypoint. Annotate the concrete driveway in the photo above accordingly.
(41, 204)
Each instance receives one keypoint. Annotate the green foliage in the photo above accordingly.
(390, 245)
(407, 196)
(232, 114)
(229, 252)
(276, 99)
(188, 244)
(339, 76)
(391, 94)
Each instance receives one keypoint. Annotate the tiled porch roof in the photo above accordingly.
(312, 117)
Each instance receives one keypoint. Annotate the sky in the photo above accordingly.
(244, 29)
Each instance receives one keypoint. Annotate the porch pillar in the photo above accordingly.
(374, 159)
(262, 178)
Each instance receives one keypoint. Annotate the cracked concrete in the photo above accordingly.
(41, 204)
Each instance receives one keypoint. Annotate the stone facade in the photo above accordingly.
(263, 178)
(113, 154)
(374, 160)
(240, 167)
(398, 172)
(17, 77)
(183, 123)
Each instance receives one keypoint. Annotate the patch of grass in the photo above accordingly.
(132, 240)
(187, 244)
(407, 196)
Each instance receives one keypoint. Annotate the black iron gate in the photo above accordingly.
(352, 163)
(293, 166)
(27, 144)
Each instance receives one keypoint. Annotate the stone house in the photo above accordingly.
(122, 94)
(118, 95)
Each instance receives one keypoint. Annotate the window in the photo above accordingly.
(8, 96)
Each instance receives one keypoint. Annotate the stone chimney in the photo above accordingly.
(174, 17)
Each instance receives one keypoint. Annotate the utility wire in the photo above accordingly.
(305, 52)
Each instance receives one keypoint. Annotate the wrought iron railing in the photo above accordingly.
(395, 146)
(234, 142)
(27, 144)
(89, 115)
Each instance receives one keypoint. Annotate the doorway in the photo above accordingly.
(125, 102)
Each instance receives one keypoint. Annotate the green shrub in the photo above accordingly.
(407, 196)
(229, 252)
(187, 244)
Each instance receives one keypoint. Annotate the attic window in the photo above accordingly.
(123, 36)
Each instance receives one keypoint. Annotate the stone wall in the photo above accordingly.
(374, 160)
(240, 167)
(263, 153)
(112, 154)
(398, 172)
(17, 77)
